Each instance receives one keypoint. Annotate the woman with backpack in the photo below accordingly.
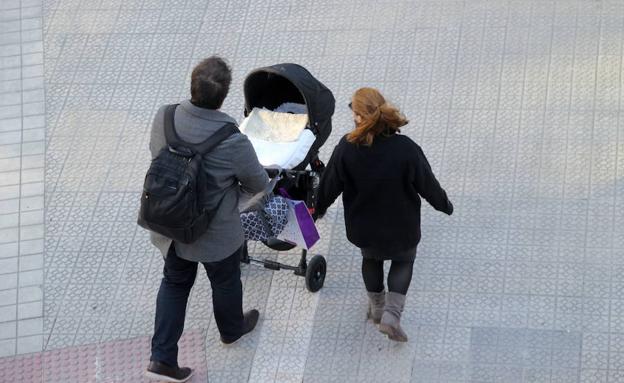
(381, 175)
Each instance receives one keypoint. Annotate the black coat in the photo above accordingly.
(381, 186)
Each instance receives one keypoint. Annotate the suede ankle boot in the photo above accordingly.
(391, 318)
(376, 302)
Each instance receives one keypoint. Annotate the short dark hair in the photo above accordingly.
(210, 82)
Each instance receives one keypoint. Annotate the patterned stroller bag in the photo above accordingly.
(266, 222)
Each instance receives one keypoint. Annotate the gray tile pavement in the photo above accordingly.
(22, 147)
(516, 103)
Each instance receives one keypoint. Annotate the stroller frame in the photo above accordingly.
(315, 270)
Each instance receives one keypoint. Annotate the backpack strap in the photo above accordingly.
(219, 136)
(171, 136)
(204, 147)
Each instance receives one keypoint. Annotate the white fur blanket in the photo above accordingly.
(272, 126)
(286, 155)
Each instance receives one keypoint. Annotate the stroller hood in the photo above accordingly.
(274, 85)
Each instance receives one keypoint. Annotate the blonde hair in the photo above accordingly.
(377, 116)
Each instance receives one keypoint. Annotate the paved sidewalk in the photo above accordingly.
(516, 103)
(22, 157)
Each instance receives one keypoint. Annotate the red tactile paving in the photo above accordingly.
(23, 368)
(116, 361)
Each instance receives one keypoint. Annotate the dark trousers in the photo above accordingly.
(178, 278)
(399, 276)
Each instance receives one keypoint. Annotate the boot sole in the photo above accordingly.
(389, 331)
(165, 378)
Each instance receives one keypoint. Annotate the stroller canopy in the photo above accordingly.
(271, 86)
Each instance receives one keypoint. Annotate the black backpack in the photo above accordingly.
(171, 203)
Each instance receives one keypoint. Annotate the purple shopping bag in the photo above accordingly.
(300, 229)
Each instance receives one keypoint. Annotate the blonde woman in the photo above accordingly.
(381, 174)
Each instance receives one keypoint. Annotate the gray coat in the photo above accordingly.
(234, 167)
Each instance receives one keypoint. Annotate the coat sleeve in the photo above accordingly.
(247, 169)
(428, 186)
(332, 183)
(157, 134)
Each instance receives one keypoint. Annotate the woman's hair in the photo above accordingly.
(378, 116)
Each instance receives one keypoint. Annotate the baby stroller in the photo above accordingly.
(270, 88)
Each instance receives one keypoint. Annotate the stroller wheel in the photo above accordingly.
(315, 273)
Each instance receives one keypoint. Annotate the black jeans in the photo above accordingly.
(178, 278)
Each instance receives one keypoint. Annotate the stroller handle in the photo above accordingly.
(273, 171)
